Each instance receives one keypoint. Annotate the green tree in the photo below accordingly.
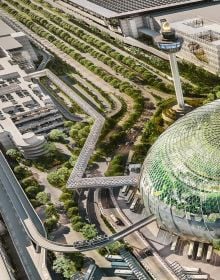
(51, 211)
(68, 123)
(72, 211)
(65, 196)
(54, 179)
(35, 203)
(216, 244)
(14, 154)
(32, 191)
(116, 166)
(68, 204)
(52, 150)
(64, 266)
(73, 160)
(43, 198)
(21, 172)
(78, 226)
(89, 231)
(57, 135)
(30, 181)
(50, 223)
(115, 247)
(59, 177)
(77, 258)
(76, 219)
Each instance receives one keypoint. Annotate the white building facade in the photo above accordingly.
(27, 114)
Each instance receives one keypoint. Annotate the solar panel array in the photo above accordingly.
(132, 5)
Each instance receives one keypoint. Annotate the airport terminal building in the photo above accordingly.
(197, 21)
(127, 16)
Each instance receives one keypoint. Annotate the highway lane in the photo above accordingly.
(8, 178)
(90, 209)
(30, 221)
(22, 243)
(76, 179)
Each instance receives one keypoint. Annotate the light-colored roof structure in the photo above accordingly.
(9, 43)
(5, 29)
(95, 8)
(115, 8)
(207, 11)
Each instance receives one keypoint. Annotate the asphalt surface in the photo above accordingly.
(32, 262)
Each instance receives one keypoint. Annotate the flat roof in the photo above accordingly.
(208, 11)
(123, 8)
(5, 29)
(9, 43)
(94, 8)
(207, 31)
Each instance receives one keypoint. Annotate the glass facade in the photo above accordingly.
(174, 47)
(180, 179)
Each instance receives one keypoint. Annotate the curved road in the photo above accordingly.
(28, 220)
(25, 215)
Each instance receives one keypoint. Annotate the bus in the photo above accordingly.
(190, 250)
(174, 243)
(134, 203)
(114, 258)
(115, 219)
(119, 265)
(131, 198)
(191, 270)
(123, 272)
(199, 276)
(128, 196)
(209, 253)
(199, 252)
(125, 190)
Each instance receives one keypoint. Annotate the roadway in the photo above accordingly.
(25, 225)
(22, 205)
(154, 264)
(12, 209)
(76, 178)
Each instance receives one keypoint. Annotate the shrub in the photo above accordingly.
(78, 226)
(22, 172)
(32, 191)
(72, 211)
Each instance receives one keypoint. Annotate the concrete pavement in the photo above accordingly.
(30, 222)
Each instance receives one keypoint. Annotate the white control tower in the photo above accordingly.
(168, 42)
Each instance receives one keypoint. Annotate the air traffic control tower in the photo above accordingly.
(170, 43)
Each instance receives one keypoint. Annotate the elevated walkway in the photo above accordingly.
(33, 225)
(76, 180)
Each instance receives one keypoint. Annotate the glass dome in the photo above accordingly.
(180, 178)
